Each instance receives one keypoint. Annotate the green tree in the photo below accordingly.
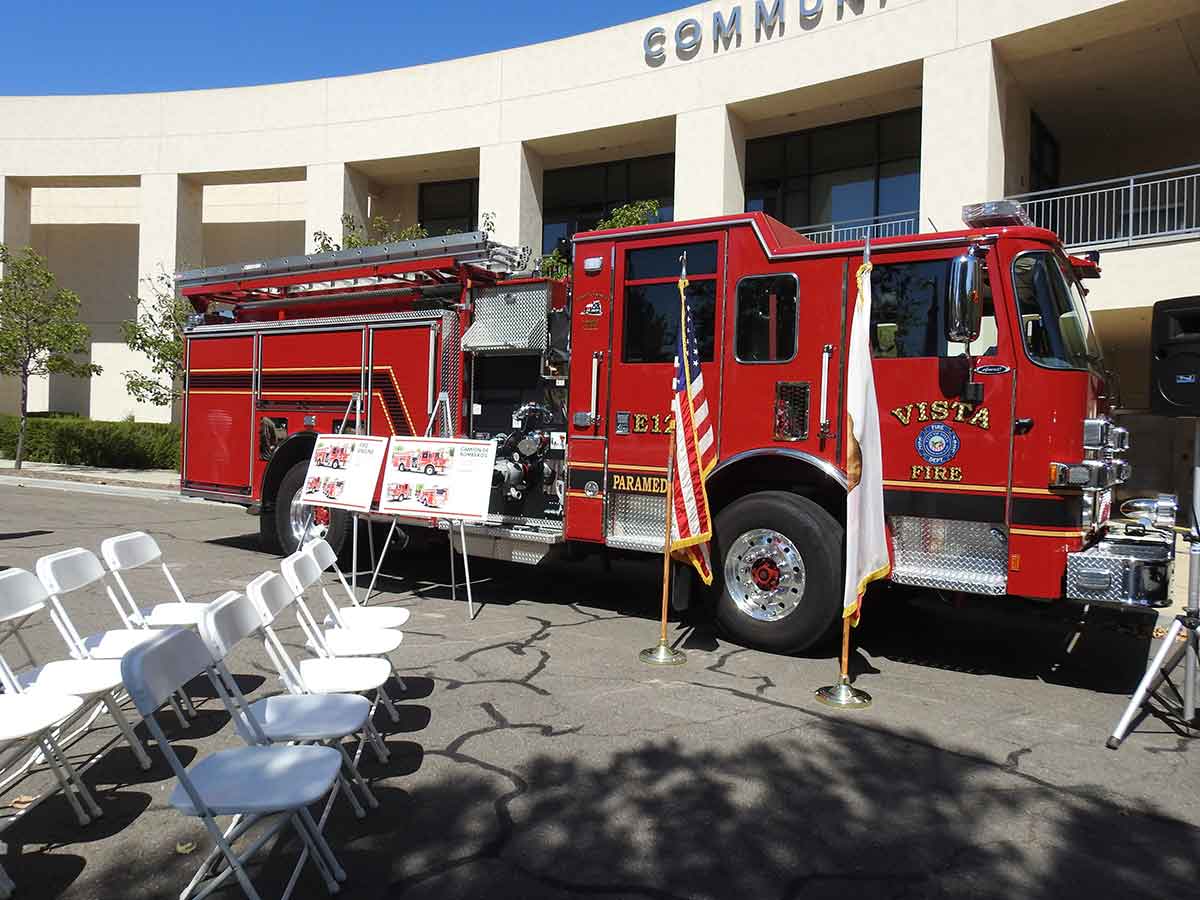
(639, 212)
(377, 230)
(40, 329)
(157, 333)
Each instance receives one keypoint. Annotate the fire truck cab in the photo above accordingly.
(1000, 455)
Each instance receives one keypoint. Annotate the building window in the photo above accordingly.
(651, 320)
(1044, 165)
(766, 319)
(448, 207)
(908, 302)
(857, 170)
(575, 199)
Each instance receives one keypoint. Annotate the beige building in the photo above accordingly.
(837, 116)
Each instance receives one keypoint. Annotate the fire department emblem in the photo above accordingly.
(937, 443)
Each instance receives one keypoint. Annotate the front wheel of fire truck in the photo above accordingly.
(776, 571)
(283, 526)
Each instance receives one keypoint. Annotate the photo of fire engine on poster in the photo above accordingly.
(437, 478)
(343, 471)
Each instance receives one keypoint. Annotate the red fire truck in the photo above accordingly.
(432, 496)
(399, 490)
(431, 462)
(332, 457)
(1000, 454)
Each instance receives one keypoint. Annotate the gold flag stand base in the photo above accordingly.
(843, 695)
(662, 655)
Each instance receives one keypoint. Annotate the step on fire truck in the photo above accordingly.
(999, 452)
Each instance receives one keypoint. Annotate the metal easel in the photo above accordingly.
(440, 417)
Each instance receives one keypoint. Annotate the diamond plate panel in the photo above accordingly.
(508, 318)
(636, 521)
(451, 365)
(1138, 574)
(950, 554)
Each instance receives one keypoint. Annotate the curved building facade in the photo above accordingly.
(840, 117)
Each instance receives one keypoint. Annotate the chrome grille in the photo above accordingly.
(791, 410)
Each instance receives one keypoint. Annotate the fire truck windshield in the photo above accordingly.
(1055, 324)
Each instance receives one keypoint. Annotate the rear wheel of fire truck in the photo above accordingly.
(776, 571)
(283, 526)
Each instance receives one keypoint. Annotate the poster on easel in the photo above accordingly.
(437, 478)
(343, 471)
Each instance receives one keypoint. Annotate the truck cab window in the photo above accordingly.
(1055, 324)
(908, 307)
(766, 319)
(651, 316)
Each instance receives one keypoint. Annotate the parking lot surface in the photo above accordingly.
(536, 757)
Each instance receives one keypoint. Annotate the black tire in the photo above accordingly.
(817, 536)
(275, 526)
(430, 470)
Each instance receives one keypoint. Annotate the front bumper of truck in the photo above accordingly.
(1123, 570)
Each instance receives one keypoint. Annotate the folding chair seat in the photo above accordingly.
(323, 675)
(301, 571)
(95, 681)
(356, 615)
(27, 720)
(251, 783)
(136, 549)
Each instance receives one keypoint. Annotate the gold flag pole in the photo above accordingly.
(663, 654)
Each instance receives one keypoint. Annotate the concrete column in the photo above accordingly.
(333, 190)
(510, 188)
(962, 133)
(170, 238)
(710, 163)
(15, 234)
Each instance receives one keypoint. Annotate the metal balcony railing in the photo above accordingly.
(894, 225)
(1123, 211)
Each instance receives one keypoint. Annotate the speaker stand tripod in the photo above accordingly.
(1173, 650)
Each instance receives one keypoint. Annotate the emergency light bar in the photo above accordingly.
(995, 214)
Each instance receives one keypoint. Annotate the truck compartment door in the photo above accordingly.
(403, 377)
(218, 412)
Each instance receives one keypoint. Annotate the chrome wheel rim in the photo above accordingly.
(765, 575)
(298, 516)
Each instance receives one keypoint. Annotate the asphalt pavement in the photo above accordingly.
(536, 757)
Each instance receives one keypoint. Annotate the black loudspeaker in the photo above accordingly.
(1175, 358)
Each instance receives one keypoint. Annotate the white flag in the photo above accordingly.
(866, 535)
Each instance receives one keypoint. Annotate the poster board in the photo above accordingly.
(438, 478)
(343, 471)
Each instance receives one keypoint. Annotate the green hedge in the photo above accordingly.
(82, 442)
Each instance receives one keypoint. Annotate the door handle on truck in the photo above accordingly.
(826, 353)
(588, 419)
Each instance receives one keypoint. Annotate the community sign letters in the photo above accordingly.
(343, 471)
(437, 478)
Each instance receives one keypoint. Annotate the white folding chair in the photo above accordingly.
(95, 681)
(70, 570)
(300, 570)
(357, 614)
(136, 549)
(28, 720)
(254, 782)
(283, 718)
(321, 675)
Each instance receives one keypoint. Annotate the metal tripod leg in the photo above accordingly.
(1166, 659)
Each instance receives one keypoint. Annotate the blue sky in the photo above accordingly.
(109, 46)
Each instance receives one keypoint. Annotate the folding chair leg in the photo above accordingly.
(6, 885)
(186, 702)
(235, 863)
(73, 777)
(356, 776)
(323, 845)
(387, 703)
(183, 722)
(399, 680)
(344, 787)
(84, 818)
(127, 730)
(311, 851)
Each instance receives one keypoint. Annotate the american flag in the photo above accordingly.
(695, 447)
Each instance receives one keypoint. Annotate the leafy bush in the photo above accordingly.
(82, 442)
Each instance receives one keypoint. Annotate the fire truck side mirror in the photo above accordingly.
(964, 305)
